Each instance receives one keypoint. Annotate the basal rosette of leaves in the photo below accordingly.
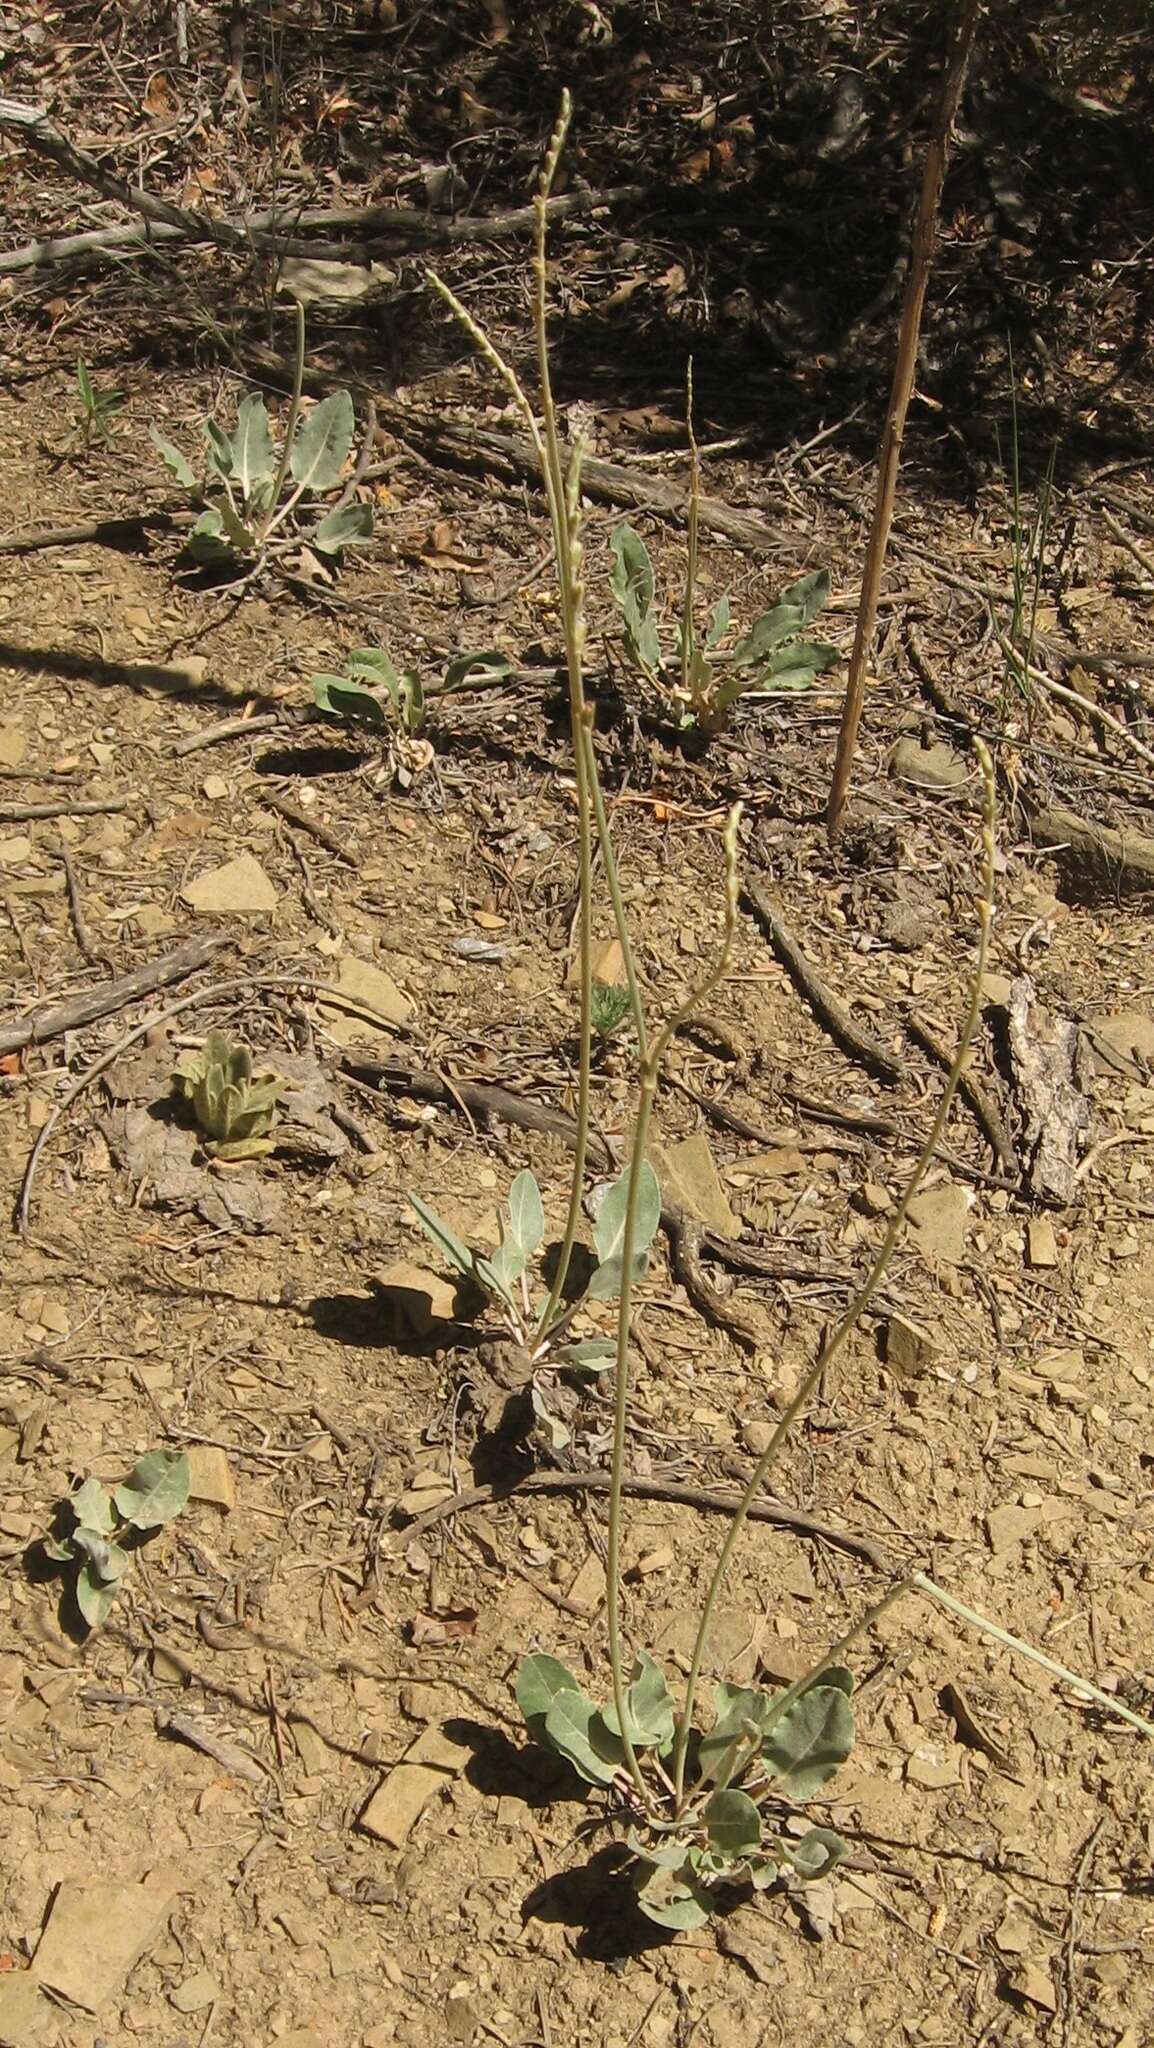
(250, 488)
(765, 1754)
(235, 1108)
(704, 676)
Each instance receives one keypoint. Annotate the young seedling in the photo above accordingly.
(610, 1009)
(98, 409)
(104, 1528)
(372, 693)
(235, 1108)
(255, 495)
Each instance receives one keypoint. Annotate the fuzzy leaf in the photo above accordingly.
(239, 536)
(648, 1706)
(170, 454)
(342, 698)
(632, 584)
(412, 701)
(526, 1213)
(219, 449)
(94, 1597)
(253, 454)
(609, 1228)
(346, 526)
(206, 542)
(476, 671)
(446, 1240)
(321, 446)
(718, 623)
(733, 1824)
(92, 1507)
(105, 1561)
(734, 1705)
(669, 1900)
(156, 1489)
(810, 1740)
(606, 1282)
(809, 595)
(496, 1274)
(587, 1354)
(375, 665)
(575, 1729)
(539, 1681)
(816, 1854)
(794, 668)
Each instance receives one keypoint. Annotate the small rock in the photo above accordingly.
(95, 1934)
(1008, 1525)
(651, 1561)
(195, 1993)
(755, 1435)
(688, 1175)
(940, 1219)
(1041, 1243)
(934, 1767)
(238, 889)
(428, 1766)
(872, 1199)
(14, 850)
(210, 1477)
(588, 1588)
(996, 991)
(215, 788)
(907, 1346)
(24, 2013)
(364, 983)
(1015, 1936)
(1032, 1983)
(423, 1297)
(13, 745)
(1122, 1042)
(936, 767)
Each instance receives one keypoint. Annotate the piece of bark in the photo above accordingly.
(1056, 1113)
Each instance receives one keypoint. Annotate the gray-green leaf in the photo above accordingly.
(219, 449)
(253, 454)
(346, 526)
(576, 1730)
(587, 1354)
(170, 454)
(476, 671)
(733, 1824)
(817, 1853)
(609, 1228)
(446, 1240)
(670, 1901)
(539, 1681)
(94, 1596)
(648, 1706)
(606, 1282)
(323, 439)
(526, 1213)
(343, 698)
(156, 1489)
(206, 542)
(631, 576)
(92, 1507)
(810, 1740)
(718, 623)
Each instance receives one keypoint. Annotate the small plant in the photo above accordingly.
(98, 409)
(107, 1527)
(764, 1754)
(235, 1108)
(251, 489)
(704, 679)
(540, 1328)
(371, 691)
(610, 1007)
(706, 674)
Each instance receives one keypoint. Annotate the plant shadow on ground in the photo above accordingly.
(147, 676)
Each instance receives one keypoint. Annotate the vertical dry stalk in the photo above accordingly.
(890, 446)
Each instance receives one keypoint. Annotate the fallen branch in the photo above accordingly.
(1114, 860)
(391, 229)
(21, 814)
(107, 533)
(826, 1005)
(982, 1104)
(491, 449)
(657, 1489)
(52, 1020)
